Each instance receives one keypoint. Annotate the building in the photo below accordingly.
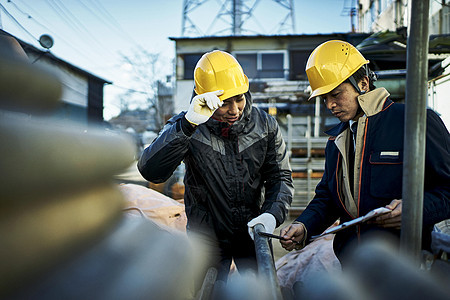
(268, 61)
(382, 15)
(275, 66)
(388, 20)
(82, 92)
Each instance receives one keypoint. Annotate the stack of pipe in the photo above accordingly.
(63, 233)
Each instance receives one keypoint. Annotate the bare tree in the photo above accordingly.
(147, 71)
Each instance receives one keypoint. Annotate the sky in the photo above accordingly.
(96, 35)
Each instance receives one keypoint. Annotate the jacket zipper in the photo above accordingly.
(358, 232)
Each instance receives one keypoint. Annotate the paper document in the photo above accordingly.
(371, 214)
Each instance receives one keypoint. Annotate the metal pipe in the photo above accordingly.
(308, 154)
(415, 126)
(289, 134)
(266, 266)
(317, 117)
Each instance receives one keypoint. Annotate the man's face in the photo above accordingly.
(231, 110)
(342, 102)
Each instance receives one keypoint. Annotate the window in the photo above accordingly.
(248, 63)
(190, 61)
(298, 64)
(262, 64)
(373, 13)
(272, 65)
(255, 65)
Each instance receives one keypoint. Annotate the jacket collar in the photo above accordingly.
(336, 130)
(374, 101)
(237, 127)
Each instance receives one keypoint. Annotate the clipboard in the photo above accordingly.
(371, 214)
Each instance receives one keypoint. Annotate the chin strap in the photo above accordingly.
(355, 85)
(370, 74)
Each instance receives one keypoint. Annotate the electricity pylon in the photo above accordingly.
(235, 14)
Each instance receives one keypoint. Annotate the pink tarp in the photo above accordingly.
(299, 265)
(163, 210)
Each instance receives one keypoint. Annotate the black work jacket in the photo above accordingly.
(233, 173)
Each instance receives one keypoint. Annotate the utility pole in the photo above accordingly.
(351, 11)
(415, 129)
(352, 18)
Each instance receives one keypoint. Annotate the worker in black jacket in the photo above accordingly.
(364, 155)
(237, 169)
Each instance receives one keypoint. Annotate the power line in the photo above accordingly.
(237, 14)
(28, 6)
(66, 15)
(351, 11)
(30, 17)
(73, 23)
(17, 22)
(61, 9)
(109, 18)
(130, 90)
(9, 1)
(105, 12)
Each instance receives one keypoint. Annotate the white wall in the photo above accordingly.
(75, 87)
(438, 92)
(183, 95)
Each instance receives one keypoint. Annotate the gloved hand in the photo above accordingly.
(203, 106)
(266, 219)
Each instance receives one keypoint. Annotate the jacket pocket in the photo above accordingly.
(386, 174)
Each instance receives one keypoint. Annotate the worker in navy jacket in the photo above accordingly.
(364, 155)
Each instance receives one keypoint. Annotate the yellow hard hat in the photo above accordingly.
(219, 70)
(330, 64)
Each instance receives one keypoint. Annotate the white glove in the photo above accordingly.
(266, 219)
(203, 106)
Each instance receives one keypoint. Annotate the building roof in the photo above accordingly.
(30, 48)
(236, 37)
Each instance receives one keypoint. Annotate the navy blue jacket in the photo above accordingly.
(380, 175)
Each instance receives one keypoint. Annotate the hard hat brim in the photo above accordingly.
(236, 91)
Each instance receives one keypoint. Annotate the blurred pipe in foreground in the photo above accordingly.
(266, 266)
(25, 87)
(63, 234)
(375, 271)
